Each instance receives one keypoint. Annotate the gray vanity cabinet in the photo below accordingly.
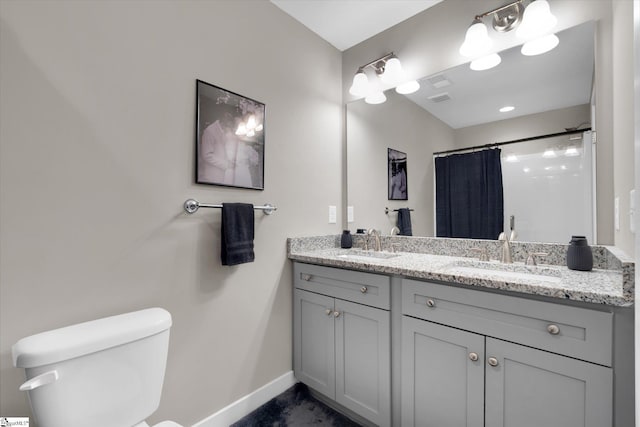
(468, 360)
(341, 340)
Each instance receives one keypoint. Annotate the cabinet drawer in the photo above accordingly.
(364, 288)
(576, 332)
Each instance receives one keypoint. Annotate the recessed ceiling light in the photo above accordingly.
(507, 108)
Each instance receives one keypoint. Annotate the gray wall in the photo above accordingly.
(402, 125)
(97, 142)
(429, 42)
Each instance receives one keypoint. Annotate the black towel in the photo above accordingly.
(237, 233)
(404, 222)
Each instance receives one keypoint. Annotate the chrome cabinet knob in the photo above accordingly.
(473, 357)
(305, 277)
(492, 361)
(363, 289)
(336, 314)
(553, 329)
(431, 303)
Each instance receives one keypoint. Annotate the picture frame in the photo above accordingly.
(397, 175)
(230, 138)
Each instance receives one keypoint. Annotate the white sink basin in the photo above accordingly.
(368, 256)
(490, 273)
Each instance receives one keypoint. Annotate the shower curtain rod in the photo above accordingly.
(497, 144)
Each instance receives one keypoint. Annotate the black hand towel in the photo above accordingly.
(237, 233)
(404, 222)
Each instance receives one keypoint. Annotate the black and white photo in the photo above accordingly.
(397, 167)
(229, 138)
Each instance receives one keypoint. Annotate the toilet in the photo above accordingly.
(103, 373)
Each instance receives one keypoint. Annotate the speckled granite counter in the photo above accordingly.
(451, 260)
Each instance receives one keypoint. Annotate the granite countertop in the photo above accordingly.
(610, 282)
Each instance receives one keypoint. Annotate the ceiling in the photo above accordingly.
(345, 23)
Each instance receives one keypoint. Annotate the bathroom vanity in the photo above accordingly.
(418, 339)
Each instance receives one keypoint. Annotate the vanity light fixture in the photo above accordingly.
(249, 128)
(549, 154)
(571, 152)
(507, 108)
(389, 70)
(534, 23)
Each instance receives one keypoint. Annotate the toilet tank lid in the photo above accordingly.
(88, 337)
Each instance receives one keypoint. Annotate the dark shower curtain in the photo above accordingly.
(469, 202)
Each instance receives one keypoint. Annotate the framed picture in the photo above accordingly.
(229, 138)
(397, 167)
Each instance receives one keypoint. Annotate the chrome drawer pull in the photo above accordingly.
(431, 303)
(473, 357)
(363, 289)
(305, 277)
(553, 329)
(492, 361)
(336, 314)
(328, 311)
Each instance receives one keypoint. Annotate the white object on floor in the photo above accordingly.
(103, 373)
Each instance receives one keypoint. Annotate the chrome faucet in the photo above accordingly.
(376, 234)
(506, 248)
(394, 230)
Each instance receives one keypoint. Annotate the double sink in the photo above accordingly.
(491, 270)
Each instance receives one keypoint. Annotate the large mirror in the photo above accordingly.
(459, 108)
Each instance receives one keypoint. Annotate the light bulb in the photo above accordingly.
(375, 98)
(486, 62)
(477, 41)
(540, 45)
(537, 20)
(408, 87)
(360, 85)
(393, 73)
(507, 108)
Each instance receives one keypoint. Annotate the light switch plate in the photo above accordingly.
(349, 214)
(332, 214)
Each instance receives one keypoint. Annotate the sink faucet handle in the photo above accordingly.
(483, 255)
(531, 259)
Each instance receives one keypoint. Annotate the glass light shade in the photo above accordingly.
(408, 87)
(477, 41)
(548, 154)
(360, 85)
(375, 98)
(251, 133)
(393, 73)
(537, 20)
(251, 123)
(507, 108)
(486, 62)
(540, 45)
(242, 129)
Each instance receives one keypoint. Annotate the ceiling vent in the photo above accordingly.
(441, 97)
(438, 81)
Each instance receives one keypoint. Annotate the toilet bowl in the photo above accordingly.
(103, 373)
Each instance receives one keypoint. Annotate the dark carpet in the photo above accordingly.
(295, 407)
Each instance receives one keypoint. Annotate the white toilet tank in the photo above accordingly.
(103, 373)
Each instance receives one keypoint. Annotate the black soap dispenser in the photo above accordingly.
(579, 255)
(346, 241)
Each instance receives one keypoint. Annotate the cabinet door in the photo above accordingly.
(442, 376)
(313, 341)
(533, 388)
(363, 361)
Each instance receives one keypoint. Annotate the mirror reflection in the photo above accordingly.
(459, 109)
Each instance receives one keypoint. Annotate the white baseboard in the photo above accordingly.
(245, 405)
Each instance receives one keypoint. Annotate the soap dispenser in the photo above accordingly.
(346, 241)
(579, 255)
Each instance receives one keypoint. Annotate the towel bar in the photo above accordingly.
(386, 210)
(192, 205)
